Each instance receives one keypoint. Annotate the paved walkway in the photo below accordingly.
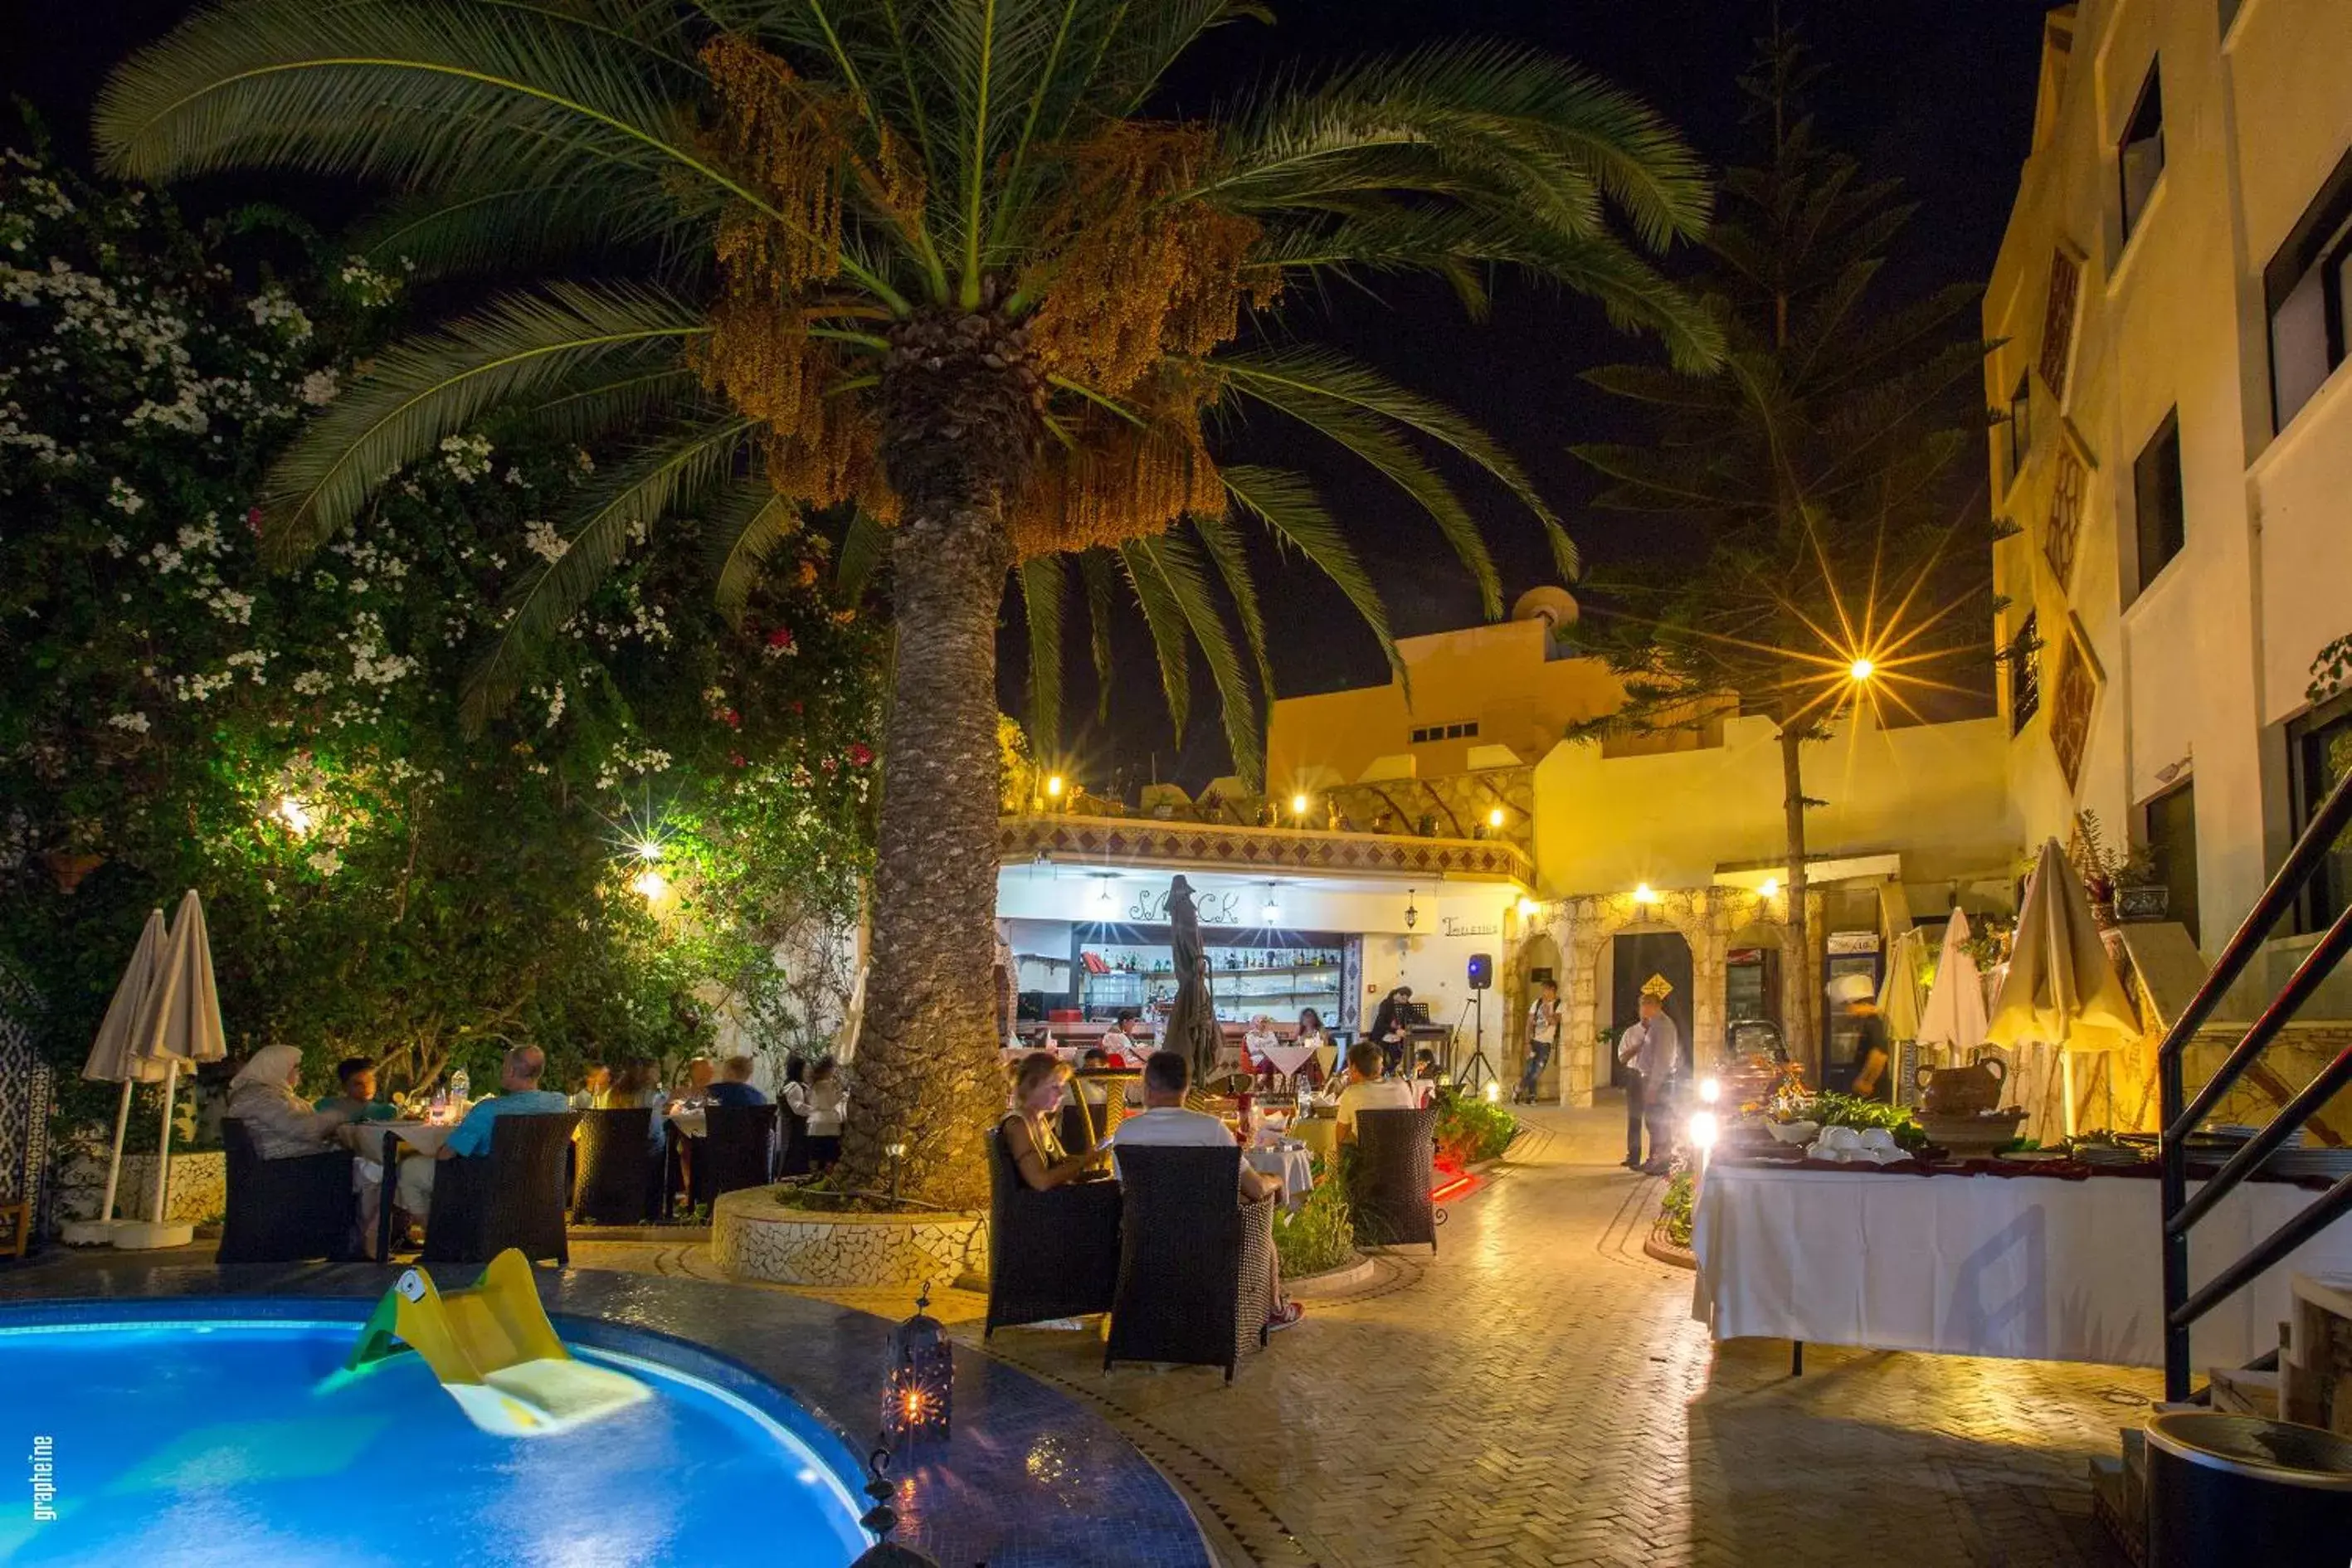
(1538, 1395)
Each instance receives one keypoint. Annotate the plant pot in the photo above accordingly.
(67, 869)
(2144, 902)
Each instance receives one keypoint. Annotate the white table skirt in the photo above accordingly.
(1287, 1059)
(2024, 1266)
(1292, 1167)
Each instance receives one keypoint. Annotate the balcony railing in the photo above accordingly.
(2183, 1306)
(1149, 841)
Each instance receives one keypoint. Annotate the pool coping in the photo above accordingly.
(1028, 1478)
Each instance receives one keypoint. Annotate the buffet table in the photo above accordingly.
(2025, 1266)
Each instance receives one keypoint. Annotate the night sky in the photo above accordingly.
(1937, 92)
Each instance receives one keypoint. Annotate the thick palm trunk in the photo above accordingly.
(927, 1073)
(960, 422)
(1801, 988)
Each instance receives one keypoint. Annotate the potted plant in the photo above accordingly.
(2139, 894)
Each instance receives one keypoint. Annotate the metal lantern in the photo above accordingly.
(917, 1377)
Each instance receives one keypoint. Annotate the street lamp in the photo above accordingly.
(1862, 669)
(1052, 786)
(1644, 894)
(1299, 806)
(1495, 817)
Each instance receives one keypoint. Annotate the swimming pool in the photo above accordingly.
(217, 1440)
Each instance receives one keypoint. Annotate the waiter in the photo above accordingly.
(1651, 1050)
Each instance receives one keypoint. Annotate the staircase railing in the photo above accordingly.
(2183, 1306)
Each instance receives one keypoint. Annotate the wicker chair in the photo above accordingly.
(739, 1151)
(614, 1171)
(1191, 1260)
(1393, 1176)
(1051, 1254)
(512, 1196)
(282, 1211)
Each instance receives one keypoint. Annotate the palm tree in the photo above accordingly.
(934, 265)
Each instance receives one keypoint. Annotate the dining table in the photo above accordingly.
(425, 1138)
(1289, 1164)
(1287, 1059)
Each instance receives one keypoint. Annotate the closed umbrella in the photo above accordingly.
(1898, 994)
(1955, 1013)
(178, 1024)
(2060, 989)
(111, 1061)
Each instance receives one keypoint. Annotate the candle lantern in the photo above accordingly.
(917, 1377)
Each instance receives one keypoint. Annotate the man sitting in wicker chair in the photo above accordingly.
(1164, 1123)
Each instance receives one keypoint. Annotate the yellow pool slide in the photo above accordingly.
(493, 1349)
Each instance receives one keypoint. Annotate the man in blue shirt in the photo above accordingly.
(734, 1084)
(518, 1080)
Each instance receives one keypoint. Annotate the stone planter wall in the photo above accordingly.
(753, 1237)
(198, 1193)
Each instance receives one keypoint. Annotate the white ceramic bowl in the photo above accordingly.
(1835, 1157)
(1795, 1132)
(1878, 1138)
(1841, 1137)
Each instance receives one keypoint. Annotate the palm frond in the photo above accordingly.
(1171, 558)
(1096, 571)
(1223, 544)
(1041, 602)
(748, 521)
(865, 544)
(1165, 621)
(1291, 510)
(427, 388)
(1373, 438)
(666, 476)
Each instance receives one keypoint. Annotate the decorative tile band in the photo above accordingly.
(1022, 838)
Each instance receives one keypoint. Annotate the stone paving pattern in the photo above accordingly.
(1538, 1395)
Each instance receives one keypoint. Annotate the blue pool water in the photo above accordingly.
(226, 1442)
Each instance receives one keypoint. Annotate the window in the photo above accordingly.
(2140, 155)
(2021, 423)
(2169, 828)
(2163, 524)
(2304, 286)
(2058, 320)
(1446, 732)
(2024, 656)
(2319, 754)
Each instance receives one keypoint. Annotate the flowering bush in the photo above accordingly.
(378, 879)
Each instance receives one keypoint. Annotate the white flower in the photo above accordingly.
(539, 537)
(273, 307)
(312, 682)
(465, 457)
(134, 723)
(325, 862)
(317, 388)
(123, 497)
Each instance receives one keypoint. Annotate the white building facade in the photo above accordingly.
(2171, 296)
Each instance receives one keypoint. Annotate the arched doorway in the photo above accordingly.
(1640, 960)
(1537, 960)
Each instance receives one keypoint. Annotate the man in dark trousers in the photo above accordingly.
(1651, 1050)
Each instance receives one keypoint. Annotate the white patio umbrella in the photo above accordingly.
(1898, 994)
(1955, 1013)
(111, 1061)
(2061, 990)
(178, 1024)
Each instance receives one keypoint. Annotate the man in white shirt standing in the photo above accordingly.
(1543, 1033)
(1165, 1124)
(1366, 1090)
(1651, 1050)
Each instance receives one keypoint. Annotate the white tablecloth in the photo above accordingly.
(1287, 1059)
(2021, 1266)
(424, 1137)
(1292, 1167)
(690, 1124)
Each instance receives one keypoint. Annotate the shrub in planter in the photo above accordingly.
(1470, 1130)
(1320, 1235)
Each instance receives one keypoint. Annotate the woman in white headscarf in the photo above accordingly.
(279, 1121)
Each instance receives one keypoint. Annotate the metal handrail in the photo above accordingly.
(2180, 1118)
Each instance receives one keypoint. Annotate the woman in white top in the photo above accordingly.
(827, 1101)
(1118, 1043)
(1260, 1039)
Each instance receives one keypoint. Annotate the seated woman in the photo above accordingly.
(281, 1124)
(636, 1087)
(1311, 1032)
(1029, 1129)
(1259, 1039)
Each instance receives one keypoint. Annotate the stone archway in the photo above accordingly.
(1537, 948)
(1581, 927)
